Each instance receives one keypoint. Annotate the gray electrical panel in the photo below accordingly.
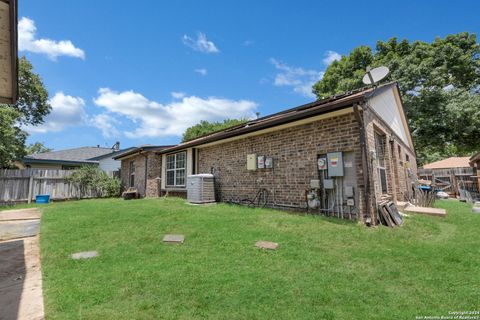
(349, 191)
(335, 164)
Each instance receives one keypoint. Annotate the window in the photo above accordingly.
(131, 171)
(176, 164)
(380, 144)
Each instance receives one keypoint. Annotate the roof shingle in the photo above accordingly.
(83, 154)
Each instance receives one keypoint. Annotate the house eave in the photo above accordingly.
(51, 161)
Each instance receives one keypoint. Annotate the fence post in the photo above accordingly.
(30, 187)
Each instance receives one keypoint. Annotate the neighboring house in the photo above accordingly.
(74, 158)
(450, 174)
(367, 127)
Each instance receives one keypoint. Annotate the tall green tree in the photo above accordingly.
(32, 96)
(205, 127)
(439, 83)
(12, 138)
(31, 109)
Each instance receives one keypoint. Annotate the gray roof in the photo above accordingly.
(82, 154)
(139, 149)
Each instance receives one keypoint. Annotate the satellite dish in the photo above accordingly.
(373, 76)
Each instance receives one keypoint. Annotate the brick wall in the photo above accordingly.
(154, 171)
(294, 151)
(399, 178)
(154, 167)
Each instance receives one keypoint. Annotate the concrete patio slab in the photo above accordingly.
(18, 229)
(21, 214)
(174, 238)
(21, 294)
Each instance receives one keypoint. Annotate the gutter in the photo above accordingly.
(139, 150)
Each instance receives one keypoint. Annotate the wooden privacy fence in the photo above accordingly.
(24, 185)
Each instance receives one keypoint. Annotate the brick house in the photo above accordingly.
(362, 133)
(141, 169)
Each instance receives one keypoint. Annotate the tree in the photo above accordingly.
(439, 83)
(12, 138)
(37, 147)
(32, 96)
(205, 127)
(31, 109)
(92, 180)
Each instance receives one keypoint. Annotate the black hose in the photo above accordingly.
(260, 199)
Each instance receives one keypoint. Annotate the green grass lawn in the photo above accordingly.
(323, 269)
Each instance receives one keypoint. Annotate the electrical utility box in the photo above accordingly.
(269, 162)
(328, 184)
(261, 162)
(322, 163)
(335, 164)
(252, 162)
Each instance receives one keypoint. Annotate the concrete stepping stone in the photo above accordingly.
(84, 255)
(437, 212)
(174, 238)
(266, 245)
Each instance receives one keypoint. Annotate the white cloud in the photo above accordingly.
(331, 56)
(301, 80)
(201, 44)
(178, 95)
(66, 111)
(106, 124)
(154, 119)
(248, 43)
(27, 41)
(201, 71)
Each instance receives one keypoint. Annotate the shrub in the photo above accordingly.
(93, 181)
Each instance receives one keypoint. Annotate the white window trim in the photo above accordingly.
(379, 166)
(175, 169)
(131, 173)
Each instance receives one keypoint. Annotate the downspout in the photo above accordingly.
(365, 166)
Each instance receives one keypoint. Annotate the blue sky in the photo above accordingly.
(140, 72)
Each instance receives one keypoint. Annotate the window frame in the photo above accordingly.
(175, 169)
(131, 173)
(381, 138)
